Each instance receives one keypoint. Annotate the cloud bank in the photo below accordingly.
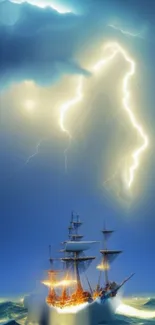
(55, 5)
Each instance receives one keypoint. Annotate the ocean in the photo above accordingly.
(137, 310)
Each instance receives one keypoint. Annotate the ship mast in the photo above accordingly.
(76, 223)
(106, 234)
(52, 276)
(107, 255)
(74, 248)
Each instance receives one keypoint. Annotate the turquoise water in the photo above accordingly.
(140, 311)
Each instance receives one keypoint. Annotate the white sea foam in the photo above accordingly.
(130, 311)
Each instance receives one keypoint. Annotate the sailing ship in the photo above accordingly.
(65, 285)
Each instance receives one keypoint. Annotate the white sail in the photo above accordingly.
(78, 246)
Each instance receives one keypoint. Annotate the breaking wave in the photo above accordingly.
(134, 311)
(150, 303)
(11, 310)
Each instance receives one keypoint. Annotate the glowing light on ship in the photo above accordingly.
(103, 267)
(114, 49)
(63, 283)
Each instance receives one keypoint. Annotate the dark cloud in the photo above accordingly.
(42, 44)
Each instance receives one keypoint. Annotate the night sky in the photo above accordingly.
(42, 53)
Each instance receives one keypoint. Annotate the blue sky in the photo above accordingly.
(50, 50)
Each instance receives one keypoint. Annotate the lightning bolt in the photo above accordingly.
(115, 49)
(109, 179)
(125, 32)
(36, 151)
(64, 109)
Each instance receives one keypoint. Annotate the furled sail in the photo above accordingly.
(78, 246)
(107, 233)
(75, 237)
(82, 262)
(109, 255)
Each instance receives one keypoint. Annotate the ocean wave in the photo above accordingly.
(138, 313)
(11, 310)
(143, 314)
(150, 303)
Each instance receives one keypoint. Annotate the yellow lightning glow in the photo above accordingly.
(114, 49)
(30, 105)
(65, 107)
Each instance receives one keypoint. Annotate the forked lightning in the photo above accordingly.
(114, 49)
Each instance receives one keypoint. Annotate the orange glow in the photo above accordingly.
(77, 298)
(66, 298)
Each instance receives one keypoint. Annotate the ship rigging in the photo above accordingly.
(75, 261)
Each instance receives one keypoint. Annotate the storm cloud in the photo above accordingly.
(44, 44)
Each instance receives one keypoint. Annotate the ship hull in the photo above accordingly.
(91, 314)
(94, 313)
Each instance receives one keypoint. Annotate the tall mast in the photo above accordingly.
(75, 236)
(52, 278)
(107, 255)
(50, 256)
(106, 234)
(74, 249)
